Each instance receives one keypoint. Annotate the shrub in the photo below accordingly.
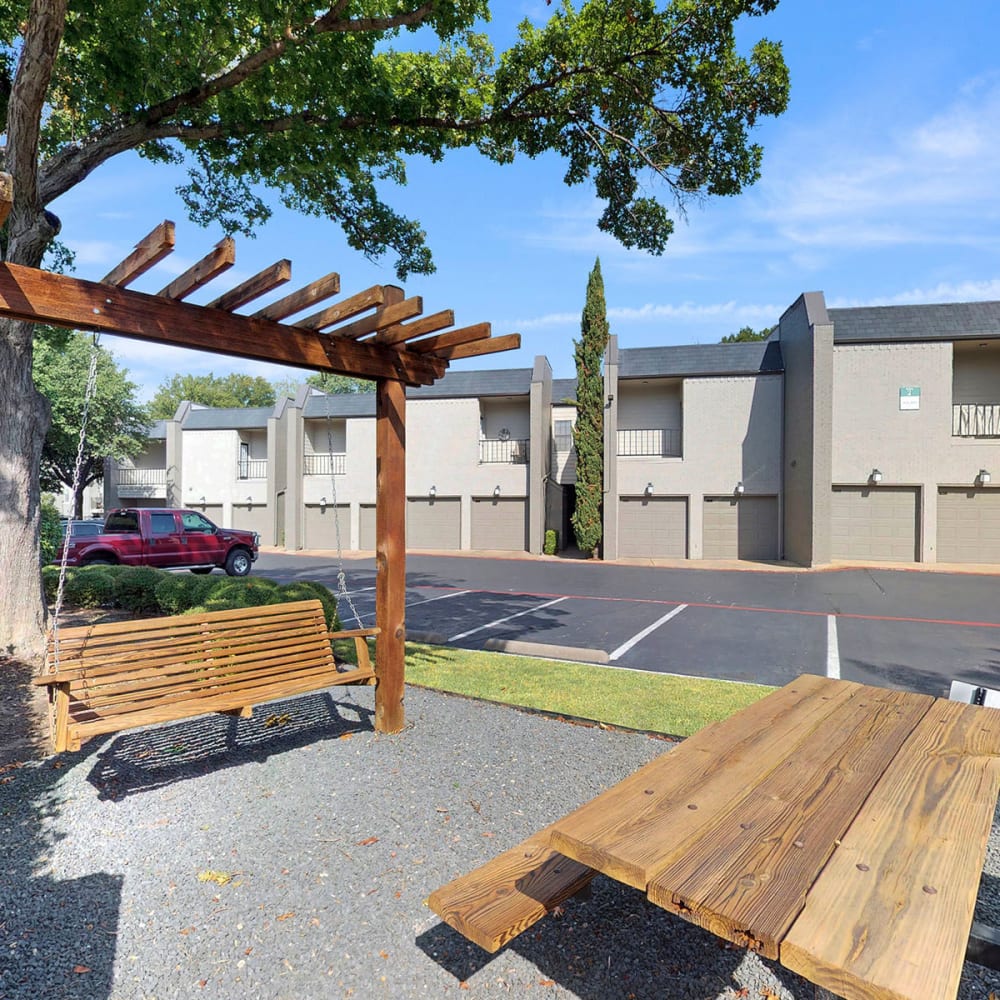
(90, 587)
(51, 529)
(307, 590)
(50, 582)
(237, 593)
(551, 546)
(179, 592)
(135, 588)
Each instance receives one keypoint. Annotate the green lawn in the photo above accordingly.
(677, 706)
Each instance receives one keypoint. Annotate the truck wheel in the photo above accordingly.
(201, 569)
(238, 562)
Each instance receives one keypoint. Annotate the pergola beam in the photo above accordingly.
(220, 258)
(253, 288)
(43, 297)
(149, 251)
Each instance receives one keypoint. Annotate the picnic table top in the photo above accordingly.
(838, 828)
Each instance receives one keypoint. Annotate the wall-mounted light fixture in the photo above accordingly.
(875, 476)
(496, 492)
(984, 477)
(432, 492)
(322, 504)
(611, 397)
(249, 501)
(203, 501)
(739, 489)
(648, 491)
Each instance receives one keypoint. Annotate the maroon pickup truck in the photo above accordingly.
(141, 536)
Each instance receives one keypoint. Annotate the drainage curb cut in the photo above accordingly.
(546, 650)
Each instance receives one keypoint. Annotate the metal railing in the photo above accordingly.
(975, 420)
(662, 442)
(251, 468)
(507, 452)
(321, 464)
(128, 476)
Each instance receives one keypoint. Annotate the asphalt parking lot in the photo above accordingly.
(902, 629)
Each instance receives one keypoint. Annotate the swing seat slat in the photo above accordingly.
(117, 676)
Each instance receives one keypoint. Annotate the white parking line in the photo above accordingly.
(500, 621)
(626, 646)
(440, 597)
(832, 648)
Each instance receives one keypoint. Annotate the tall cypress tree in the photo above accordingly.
(588, 435)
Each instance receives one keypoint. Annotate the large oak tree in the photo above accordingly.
(323, 104)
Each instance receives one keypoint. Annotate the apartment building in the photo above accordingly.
(850, 434)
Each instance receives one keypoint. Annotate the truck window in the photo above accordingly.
(196, 523)
(162, 524)
(122, 520)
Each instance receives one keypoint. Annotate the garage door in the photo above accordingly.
(256, 518)
(500, 523)
(433, 524)
(367, 527)
(968, 529)
(319, 525)
(878, 523)
(653, 526)
(740, 528)
(213, 511)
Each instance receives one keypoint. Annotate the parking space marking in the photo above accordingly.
(440, 597)
(832, 648)
(501, 621)
(639, 636)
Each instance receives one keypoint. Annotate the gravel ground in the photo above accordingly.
(289, 856)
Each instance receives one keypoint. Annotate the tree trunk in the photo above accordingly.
(24, 420)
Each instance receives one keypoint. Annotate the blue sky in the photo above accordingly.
(880, 185)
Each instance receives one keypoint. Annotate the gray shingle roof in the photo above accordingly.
(455, 385)
(341, 404)
(211, 419)
(157, 431)
(563, 388)
(750, 358)
(945, 321)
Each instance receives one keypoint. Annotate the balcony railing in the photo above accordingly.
(127, 476)
(251, 468)
(325, 464)
(975, 420)
(505, 452)
(660, 442)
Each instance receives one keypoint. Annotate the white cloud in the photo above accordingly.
(963, 291)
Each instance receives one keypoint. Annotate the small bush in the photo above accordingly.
(230, 593)
(551, 546)
(135, 589)
(50, 529)
(50, 581)
(179, 592)
(307, 590)
(90, 587)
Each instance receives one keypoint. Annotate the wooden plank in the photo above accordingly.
(43, 297)
(386, 315)
(630, 831)
(219, 259)
(401, 332)
(304, 298)
(463, 335)
(150, 250)
(504, 897)
(339, 311)
(390, 555)
(746, 877)
(508, 342)
(890, 914)
(260, 284)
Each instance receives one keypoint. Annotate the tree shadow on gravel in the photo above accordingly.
(148, 759)
(57, 936)
(618, 944)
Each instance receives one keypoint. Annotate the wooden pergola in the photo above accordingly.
(376, 334)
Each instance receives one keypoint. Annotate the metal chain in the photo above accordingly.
(88, 395)
(342, 590)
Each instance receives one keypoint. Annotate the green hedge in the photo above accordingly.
(142, 590)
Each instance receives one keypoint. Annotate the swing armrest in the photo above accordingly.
(58, 677)
(354, 633)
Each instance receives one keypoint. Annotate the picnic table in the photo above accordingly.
(838, 828)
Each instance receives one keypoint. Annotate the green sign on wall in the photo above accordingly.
(909, 397)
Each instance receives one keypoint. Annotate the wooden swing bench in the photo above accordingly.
(111, 677)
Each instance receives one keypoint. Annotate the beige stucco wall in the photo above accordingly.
(209, 468)
(909, 447)
(655, 404)
(732, 433)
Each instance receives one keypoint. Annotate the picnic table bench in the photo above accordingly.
(119, 675)
(838, 828)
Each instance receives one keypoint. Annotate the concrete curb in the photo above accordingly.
(430, 638)
(546, 651)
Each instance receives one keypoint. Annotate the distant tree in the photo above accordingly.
(224, 391)
(339, 384)
(745, 334)
(116, 423)
(588, 432)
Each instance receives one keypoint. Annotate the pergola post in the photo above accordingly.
(390, 554)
